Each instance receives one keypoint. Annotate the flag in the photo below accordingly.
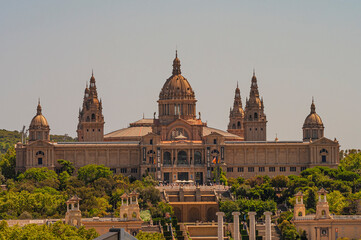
(215, 160)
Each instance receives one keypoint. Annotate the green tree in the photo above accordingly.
(279, 181)
(7, 163)
(336, 201)
(38, 174)
(311, 199)
(66, 166)
(149, 236)
(92, 172)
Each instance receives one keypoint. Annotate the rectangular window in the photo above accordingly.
(240, 169)
(114, 170)
(293, 169)
(230, 169)
(40, 161)
(251, 169)
(123, 170)
(303, 168)
(272, 169)
(134, 170)
(323, 158)
(282, 169)
(261, 169)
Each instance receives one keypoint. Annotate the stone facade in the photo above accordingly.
(178, 145)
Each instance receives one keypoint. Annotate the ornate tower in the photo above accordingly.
(236, 115)
(299, 209)
(322, 207)
(313, 126)
(73, 213)
(91, 119)
(39, 128)
(176, 99)
(255, 121)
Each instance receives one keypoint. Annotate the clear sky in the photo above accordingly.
(299, 49)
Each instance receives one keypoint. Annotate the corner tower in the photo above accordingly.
(255, 121)
(176, 99)
(91, 119)
(236, 115)
(39, 128)
(313, 126)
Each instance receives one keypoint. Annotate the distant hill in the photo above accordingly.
(10, 138)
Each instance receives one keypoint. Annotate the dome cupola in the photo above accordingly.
(313, 126)
(39, 127)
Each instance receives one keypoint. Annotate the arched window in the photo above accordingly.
(179, 133)
(300, 214)
(323, 213)
(40, 155)
(167, 158)
(250, 117)
(239, 124)
(197, 157)
(88, 119)
(255, 115)
(182, 158)
(93, 117)
(234, 126)
(323, 154)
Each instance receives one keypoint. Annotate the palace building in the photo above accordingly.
(178, 145)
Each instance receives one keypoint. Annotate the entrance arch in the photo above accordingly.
(211, 214)
(194, 214)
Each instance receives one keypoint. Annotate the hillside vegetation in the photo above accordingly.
(10, 138)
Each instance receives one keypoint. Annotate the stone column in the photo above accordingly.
(220, 225)
(268, 225)
(252, 225)
(236, 225)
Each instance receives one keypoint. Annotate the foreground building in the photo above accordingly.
(178, 145)
(323, 225)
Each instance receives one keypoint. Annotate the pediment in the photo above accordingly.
(179, 122)
(40, 143)
(324, 141)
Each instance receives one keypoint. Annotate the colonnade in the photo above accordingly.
(252, 225)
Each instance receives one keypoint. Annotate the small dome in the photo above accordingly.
(39, 120)
(313, 119)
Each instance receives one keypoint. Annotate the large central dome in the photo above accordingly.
(177, 98)
(177, 86)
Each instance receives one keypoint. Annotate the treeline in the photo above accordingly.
(42, 193)
(56, 231)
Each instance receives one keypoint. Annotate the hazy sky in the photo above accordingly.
(299, 49)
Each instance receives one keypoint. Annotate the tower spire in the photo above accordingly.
(313, 107)
(38, 110)
(176, 64)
